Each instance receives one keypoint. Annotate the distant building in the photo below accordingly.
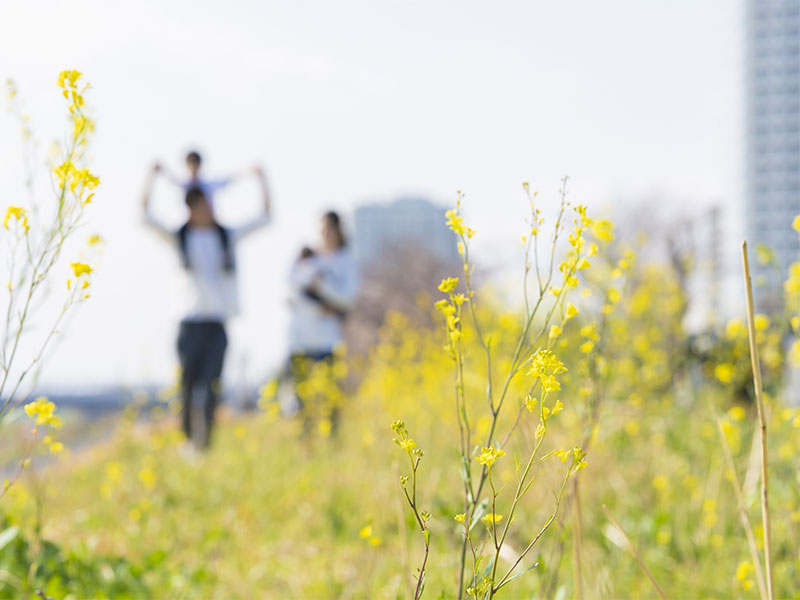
(414, 221)
(701, 241)
(772, 109)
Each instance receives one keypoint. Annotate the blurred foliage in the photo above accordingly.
(277, 510)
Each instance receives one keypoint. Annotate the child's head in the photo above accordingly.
(200, 214)
(193, 162)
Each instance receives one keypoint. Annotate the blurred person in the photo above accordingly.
(194, 179)
(207, 252)
(323, 287)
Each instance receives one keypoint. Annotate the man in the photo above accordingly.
(207, 253)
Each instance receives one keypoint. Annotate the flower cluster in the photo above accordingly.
(451, 309)
(456, 223)
(20, 215)
(405, 442)
(80, 181)
(489, 456)
(43, 412)
(544, 368)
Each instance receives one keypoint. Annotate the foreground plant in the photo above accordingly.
(35, 238)
(532, 367)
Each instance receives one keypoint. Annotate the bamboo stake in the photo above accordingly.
(762, 418)
(737, 489)
(635, 554)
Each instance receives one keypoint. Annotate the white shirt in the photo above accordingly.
(210, 291)
(313, 328)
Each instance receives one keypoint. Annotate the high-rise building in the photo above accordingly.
(415, 221)
(772, 108)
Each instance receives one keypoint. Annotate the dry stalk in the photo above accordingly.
(762, 419)
(635, 553)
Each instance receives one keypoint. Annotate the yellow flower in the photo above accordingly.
(555, 331)
(530, 403)
(489, 455)
(456, 223)
(745, 567)
(660, 482)
(148, 478)
(80, 269)
(631, 428)
(571, 311)
(461, 518)
(724, 372)
(796, 224)
(737, 413)
(583, 264)
(19, 214)
(408, 444)
(95, 239)
(492, 518)
(42, 411)
(68, 79)
(603, 230)
(448, 284)
(366, 532)
(735, 329)
(761, 322)
(563, 455)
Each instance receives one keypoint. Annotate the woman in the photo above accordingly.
(324, 288)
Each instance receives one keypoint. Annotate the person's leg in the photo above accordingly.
(215, 344)
(333, 391)
(187, 355)
(298, 369)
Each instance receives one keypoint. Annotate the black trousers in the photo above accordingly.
(201, 350)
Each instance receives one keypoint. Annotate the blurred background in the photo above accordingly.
(679, 118)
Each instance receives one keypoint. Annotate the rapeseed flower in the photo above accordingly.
(18, 214)
(489, 455)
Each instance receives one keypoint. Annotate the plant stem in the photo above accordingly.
(635, 554)
(762, 418)
(737, 489)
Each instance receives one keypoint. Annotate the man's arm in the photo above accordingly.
(265, 217)
(149, 220)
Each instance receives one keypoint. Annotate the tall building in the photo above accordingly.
(772, 108)
(415, 221)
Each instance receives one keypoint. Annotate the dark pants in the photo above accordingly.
(201, 350)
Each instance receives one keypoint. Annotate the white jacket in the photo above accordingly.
(312, 327)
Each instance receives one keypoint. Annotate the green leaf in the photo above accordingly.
(7, 536)
(479, 512)
(521, 573)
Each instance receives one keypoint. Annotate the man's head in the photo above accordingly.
(193, 162)
(200, 214)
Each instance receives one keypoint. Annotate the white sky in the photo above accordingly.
(360, 100)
